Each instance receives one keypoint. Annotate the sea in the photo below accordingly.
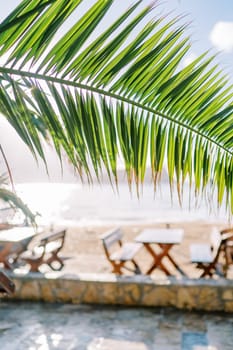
(74, 204)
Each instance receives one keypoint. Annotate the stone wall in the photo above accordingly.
(198, 294)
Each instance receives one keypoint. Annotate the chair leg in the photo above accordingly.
(206, 273)
(7, 265)
(52, 259)
(137, 268)
(34, 264)
(6, 284)
(117, 268)
(211, 269)
(207, 270)
(229, 255)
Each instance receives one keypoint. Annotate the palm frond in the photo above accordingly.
(13, 201)
(119, 92)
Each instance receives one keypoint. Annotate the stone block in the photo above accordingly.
(228, 306)
(187, 297)
(208, 299)
(227, 294)
(159, 296)
(129, 294)
(29, 290)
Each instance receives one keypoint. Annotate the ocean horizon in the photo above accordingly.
(73, 204)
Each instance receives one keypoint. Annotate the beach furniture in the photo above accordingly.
(209, 256)
(13, 242)
(46, 252)
(164, 240)
(6, 284)
(227, 233)
(119, 253)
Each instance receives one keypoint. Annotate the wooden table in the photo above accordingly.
(165, 239)
(13, 242)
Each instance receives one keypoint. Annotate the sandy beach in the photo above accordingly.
(85, 253)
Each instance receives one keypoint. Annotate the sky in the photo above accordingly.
(210, 28)
(211, 23)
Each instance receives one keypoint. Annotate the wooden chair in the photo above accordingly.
(117, 253)
(46, 252)
(227, 234)
(207, 255)
(6, 284)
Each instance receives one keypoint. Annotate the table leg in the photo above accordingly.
(172, 260)
(157, 260)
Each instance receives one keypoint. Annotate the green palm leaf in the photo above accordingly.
(122, 92)
(16, 203)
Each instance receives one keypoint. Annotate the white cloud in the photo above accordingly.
(189, 59)
(221, 36)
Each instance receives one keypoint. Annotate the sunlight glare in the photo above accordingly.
(115, 344)
(48, 199)
(56, 338)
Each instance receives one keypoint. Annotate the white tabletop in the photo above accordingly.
(17, 234)
(161, 236)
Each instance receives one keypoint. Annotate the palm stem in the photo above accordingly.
(8, 168)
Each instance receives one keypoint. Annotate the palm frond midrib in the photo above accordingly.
(120, 98)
